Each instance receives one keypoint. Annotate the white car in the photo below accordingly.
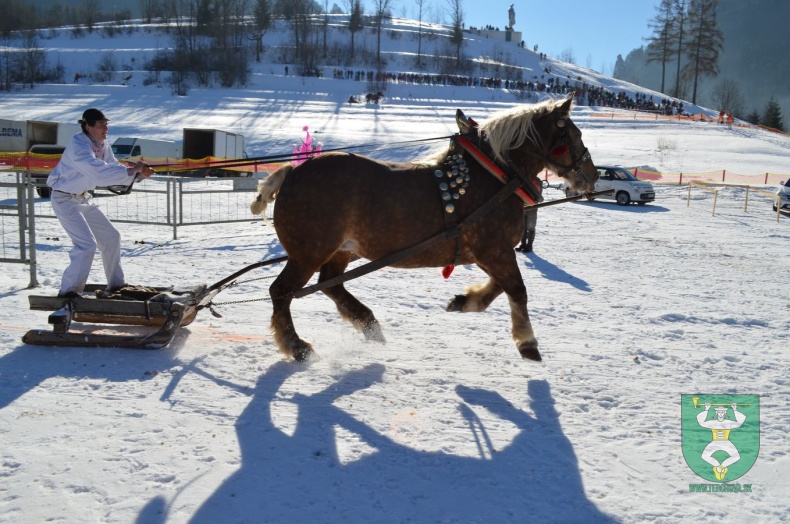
(784, 193)
(626, 187)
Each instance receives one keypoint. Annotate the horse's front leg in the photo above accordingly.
(505, 276)
(509, 277)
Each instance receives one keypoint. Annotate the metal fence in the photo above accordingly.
(175, 202)
(165, 201)
(17, 223)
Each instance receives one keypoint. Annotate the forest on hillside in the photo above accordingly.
(752, 71)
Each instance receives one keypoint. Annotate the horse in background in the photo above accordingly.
(390, 206)
(371, 98)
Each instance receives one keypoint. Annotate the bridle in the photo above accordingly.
(563, 149)
(470, 131)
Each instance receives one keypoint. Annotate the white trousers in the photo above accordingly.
(89, 229)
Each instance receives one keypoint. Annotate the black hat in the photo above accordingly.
(92, 115)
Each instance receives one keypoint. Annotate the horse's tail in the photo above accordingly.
(268, 189)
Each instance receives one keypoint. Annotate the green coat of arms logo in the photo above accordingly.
(720, 434)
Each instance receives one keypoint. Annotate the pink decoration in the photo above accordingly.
(306, 151)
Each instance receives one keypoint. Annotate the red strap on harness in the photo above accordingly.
(490, 166)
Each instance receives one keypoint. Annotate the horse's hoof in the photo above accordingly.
(373, 333)
(457, 303)
(302, 351)
(529, 350)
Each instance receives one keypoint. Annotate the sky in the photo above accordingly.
(633, 307)
(597, 31)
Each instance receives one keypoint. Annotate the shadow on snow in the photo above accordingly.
(300, 478)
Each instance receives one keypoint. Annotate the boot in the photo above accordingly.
(530, 240)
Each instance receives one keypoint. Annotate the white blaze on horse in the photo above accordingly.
(390, 208)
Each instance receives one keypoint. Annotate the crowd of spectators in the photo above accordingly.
(586, 94)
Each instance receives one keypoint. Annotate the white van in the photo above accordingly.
(133, 149)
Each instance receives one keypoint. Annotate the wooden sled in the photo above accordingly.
(166, 309)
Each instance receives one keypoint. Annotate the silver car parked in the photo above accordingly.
(626, 188)
(784, 194)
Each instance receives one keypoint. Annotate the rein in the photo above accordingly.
(521, 184)
(496, 199)
(272, 159)
(529, 193)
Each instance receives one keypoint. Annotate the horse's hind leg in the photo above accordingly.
(293, 277)
(477, 298)
(347, 304)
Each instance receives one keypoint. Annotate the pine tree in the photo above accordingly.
(705, 44)
(753, 117)
(680, 19)
(772, 116)
(659, 47)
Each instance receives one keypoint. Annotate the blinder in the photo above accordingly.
(567, 146)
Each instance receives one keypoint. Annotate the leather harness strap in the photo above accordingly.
(495, 170)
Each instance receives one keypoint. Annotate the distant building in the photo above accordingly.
(502, 36)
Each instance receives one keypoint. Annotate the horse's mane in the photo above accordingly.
(509, 129)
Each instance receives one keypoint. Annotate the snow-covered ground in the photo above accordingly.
(633, 307)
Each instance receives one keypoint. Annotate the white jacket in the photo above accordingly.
(81, 168)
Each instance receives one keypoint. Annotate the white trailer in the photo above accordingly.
(42, 142)
(21, 135)
(217, 144)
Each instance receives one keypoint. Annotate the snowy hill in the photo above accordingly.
(633, 307)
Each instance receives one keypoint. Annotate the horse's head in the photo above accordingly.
(540, 137)
(567, 156)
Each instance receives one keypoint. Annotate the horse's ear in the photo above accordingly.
(464, 124)
(566, 105)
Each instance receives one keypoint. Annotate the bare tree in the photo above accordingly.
(705, 43)
(305, 45)
(6, 59)
(326, 24)
(355, 23)
(568, 56)
(726, 96)
(90, 13)
(149, 9)
(261, 23)
(381, 12)
(457, 28)
(659, 47)
(31, 62)
(106, 68)
(420, 7)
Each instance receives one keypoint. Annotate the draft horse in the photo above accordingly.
(337, 207)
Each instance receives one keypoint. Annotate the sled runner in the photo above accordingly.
(163, 308)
